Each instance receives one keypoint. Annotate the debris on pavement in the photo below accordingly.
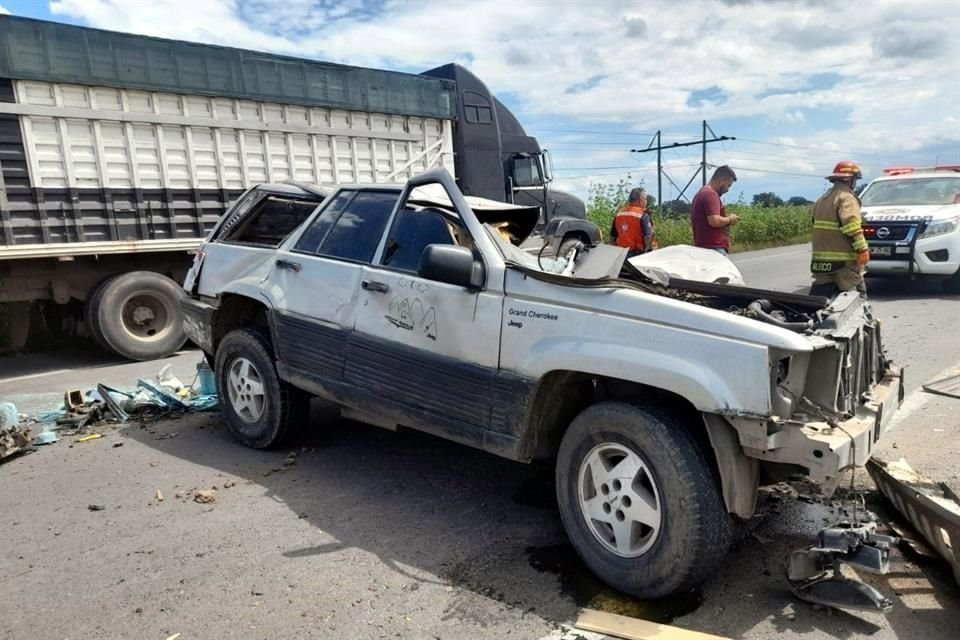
(159, 496)
(96, 507)
(634, 628)
(164, 396)
(932, 508)
(205, 496)
(291, 459)
(14, 438)
(88, 438)
(949, 386)
(815, 575)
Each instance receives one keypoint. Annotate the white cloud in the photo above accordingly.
(898, 77)
(4, 11)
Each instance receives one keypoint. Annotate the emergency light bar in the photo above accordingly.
(899, 171)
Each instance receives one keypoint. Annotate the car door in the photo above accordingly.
(314, 284)
(428, 346)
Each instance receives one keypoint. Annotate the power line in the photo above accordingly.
(587, 132)
(821, 149)
(785, 173)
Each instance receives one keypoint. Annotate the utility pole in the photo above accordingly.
(676, 145)
(703, 162)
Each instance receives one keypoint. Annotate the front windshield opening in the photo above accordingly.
(914, 191)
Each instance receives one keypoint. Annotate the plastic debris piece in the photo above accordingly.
(109, 397)
(45, 437)
(165, 397)
(159, 496)
(9, 418)
(206, 380)
(73, 399)
(167, 380)
(96, 507)
(92, 436)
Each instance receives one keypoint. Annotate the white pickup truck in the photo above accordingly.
(912, 224)
(664, 402)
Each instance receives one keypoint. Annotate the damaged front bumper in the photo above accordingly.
(825, 447)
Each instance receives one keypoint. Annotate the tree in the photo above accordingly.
(676, 208)
(767, 199)
(798, 201)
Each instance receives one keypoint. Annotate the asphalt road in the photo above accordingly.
(374, 534)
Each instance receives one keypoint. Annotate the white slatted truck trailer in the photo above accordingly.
(118, 154)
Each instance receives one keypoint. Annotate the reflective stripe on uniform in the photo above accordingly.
(826, 225)
(850, 228)
(834, 256)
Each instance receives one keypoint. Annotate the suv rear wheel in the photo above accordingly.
(261, 410)
(639, 500)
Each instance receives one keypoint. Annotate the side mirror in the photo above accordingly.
(451, 264)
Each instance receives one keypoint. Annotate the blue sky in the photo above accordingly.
(800, 84)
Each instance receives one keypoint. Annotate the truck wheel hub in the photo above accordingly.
(619, 499)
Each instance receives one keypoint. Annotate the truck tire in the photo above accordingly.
(639, 500)
(138, 315)
(90, 317)
(569, 243)
(261, 410)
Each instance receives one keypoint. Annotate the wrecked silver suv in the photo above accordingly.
(661, 400)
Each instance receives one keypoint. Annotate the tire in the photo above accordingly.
(260, 421)
(90, 317)
(568, 245)
(691, 530)
(138, 315)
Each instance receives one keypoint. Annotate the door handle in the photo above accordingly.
(286, 264)
(372, 285)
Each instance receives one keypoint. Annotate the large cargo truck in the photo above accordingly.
(118, 153)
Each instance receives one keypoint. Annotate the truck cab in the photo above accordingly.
(496, 159)
(911, 220)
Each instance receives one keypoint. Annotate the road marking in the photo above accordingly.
(35, 375)
(918, 398)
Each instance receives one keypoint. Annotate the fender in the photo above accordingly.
(706, 384)
(558, 228)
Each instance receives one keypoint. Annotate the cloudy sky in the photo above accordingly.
(801, 84)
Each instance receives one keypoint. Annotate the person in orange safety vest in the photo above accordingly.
(632, 228)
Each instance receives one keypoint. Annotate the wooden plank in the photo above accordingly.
(635, 629)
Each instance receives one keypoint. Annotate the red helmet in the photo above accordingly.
(846, 169)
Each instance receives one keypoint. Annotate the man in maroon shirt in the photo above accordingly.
(711, 224)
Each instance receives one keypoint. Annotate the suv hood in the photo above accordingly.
(910, 213)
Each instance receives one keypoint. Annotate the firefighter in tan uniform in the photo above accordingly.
(840, 252)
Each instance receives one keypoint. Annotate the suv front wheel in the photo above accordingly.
(639, 500)
(261, 410)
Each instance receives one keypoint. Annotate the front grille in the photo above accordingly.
(888, 232)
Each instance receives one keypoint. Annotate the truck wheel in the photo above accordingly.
(90, 315)
(261, 410)
(639, 500)
(138, 315)
(568, 245)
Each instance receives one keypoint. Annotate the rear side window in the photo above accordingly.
(270, 222)
(359, 227)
